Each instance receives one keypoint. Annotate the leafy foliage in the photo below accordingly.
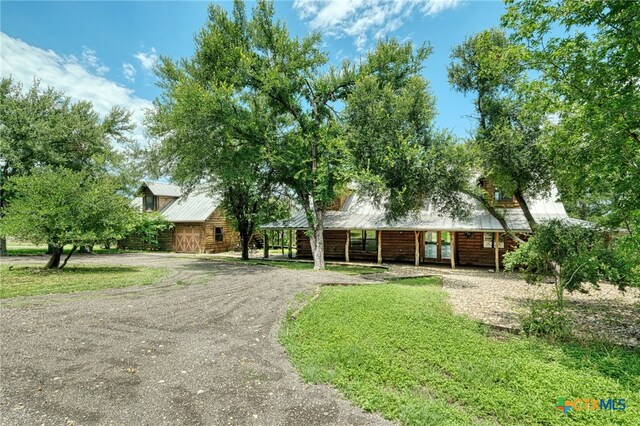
(587, 56)
(572, 255)
(61, 206)
(147, 226)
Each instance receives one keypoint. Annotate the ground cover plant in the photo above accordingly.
(398, 349)
(33, 280)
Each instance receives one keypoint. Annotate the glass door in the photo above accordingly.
(445, 241)
(431, 245)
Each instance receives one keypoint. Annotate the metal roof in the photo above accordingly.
(195, 207)
(164, 189)
(358, 213)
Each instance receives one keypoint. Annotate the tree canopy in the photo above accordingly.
(61, 206)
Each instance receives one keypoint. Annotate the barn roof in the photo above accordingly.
(163, 189)
(359, 213)
(194, 207)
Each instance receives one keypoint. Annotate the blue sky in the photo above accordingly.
(104, 51)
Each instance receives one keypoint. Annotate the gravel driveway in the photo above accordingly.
(204, 353)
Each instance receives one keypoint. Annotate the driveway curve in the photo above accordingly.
(199, 347)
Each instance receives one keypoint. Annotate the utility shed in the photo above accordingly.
(200, 224)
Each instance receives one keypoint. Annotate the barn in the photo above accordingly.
(356, 229)
(200, 224)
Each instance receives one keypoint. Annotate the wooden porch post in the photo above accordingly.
(290, 255)
(346, 247)
(266, 244)
(453, 249)
(380, 247)
(496, 244)
(417, 253)
(282, 241)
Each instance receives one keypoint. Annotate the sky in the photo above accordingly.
(105, 51)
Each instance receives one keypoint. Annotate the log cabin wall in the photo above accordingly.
(334, 242)
(162, 202)
(471, 251)
(231, 238)
(398, 246)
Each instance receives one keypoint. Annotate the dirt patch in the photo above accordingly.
(166, 353)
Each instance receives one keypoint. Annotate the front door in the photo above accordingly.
(437, 246)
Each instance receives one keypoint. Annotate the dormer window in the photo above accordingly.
(500, 197)
(149, 203)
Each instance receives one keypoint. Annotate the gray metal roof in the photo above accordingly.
(195, 207)
(164, 189)
(358, 213)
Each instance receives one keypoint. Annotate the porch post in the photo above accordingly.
(346, 247)
(417, 253)
(290, 255)
(282, 241)
(266, 244)
(453, 249)
(496, 244)
(380, 247)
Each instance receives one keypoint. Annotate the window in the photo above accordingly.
(363, 241)
(489, 240)
(431, 245)
(149, 203)
(219, 234)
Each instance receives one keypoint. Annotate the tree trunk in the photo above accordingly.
(51, 249)
(3, 246)
(245, 239)
(525, 209)
(496, 214)
(66, 259)
(54, 260)
(317, 246)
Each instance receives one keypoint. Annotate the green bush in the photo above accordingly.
(545, 318)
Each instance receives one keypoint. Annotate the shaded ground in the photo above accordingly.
(199, 347)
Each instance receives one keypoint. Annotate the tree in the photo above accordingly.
(42, 127)
(507, 141)
(61, 206)
(587, 55)
(258, 58)
(213, 133)
(147, 226)
(572, 255)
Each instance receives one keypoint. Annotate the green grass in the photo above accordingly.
(32, 281)
(344, 269)
(31, 250)
(398, 349)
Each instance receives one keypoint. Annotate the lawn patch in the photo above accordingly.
(398, 349)
(32, 281)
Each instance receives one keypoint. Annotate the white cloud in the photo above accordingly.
(24, 62)
(129, 72)
(364, 19)
(147, 59)
(90, 60)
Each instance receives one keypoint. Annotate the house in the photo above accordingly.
(355, 229)
(200, 224)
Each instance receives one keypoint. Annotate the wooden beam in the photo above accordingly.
(452, 236)
(496, 244)
(346, 247)
(380, 247)
(290, 255)
(266, 244)
(282, 241)
(417, 253)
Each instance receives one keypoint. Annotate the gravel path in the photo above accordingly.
(205, 353)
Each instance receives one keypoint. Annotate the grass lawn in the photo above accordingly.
(344, 269)
(32, 280)
(398, 349)
(31, 250)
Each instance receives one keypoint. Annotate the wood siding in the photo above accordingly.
(399, 246)
(471, 251)
(231, 238)
(162, 202)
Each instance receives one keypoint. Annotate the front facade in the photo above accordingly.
(357, 230)
(200, 224)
